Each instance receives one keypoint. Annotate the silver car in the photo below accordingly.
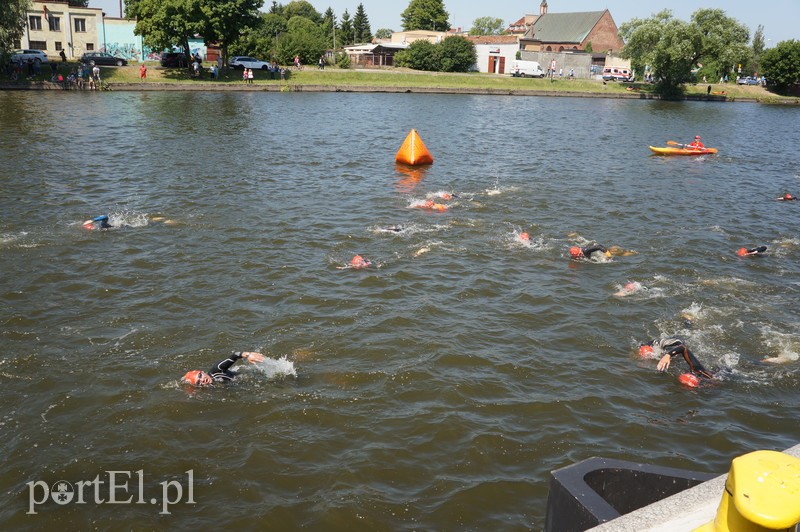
(243, 61)
(22, 56)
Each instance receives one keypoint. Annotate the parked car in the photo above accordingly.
(241, 62)
(22, 56)
(612, 73)
(174, 60)
(531, 69)
(748, 81)
(102, 58)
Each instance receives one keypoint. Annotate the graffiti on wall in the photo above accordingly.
(124, 50)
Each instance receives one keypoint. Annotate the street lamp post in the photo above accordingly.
(104, 31)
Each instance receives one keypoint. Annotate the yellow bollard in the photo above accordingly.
(762, 493)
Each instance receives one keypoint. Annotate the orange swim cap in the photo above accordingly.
(575, 252)
(192, 377)
(525, 236)
(429, 203)
(645, 350)
(447, 196)
(741, 252)
(359, 262)
(787, 196)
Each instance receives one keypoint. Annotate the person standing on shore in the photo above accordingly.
(143, 72)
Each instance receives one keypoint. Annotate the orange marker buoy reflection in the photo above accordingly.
(413, 151)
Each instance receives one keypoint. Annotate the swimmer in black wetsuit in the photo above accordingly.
(98, 222)
(671, 347)
(586, 252)
(752, 251)
(221, 371)
(786, 197)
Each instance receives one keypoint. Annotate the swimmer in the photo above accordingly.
(98, 222)
(586, 252)
(359, 262)
(221, 371)
(629, 288)
(743, 252)
(395, 228)
(670, 347)
(525, 237)
(786, 197)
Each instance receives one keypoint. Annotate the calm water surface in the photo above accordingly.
(434, 391)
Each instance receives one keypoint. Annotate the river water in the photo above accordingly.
(434, 390)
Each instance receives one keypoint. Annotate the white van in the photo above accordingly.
(526, 69)
(612, 73)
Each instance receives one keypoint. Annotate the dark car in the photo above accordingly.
(174, 60)
(102, 58)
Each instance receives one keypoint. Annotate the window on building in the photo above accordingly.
(34, 22)
(89, 46)
(55, 23)
(58, 45)
(80, 25)
(37, 45)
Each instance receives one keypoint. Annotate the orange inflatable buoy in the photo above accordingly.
(413, 151)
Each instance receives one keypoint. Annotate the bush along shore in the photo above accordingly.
(333, 79)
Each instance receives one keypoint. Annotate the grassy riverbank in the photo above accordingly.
(395, 79)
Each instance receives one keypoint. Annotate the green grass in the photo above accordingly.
(406, 78)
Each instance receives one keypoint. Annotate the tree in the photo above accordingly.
(301, 8)
(756, 50)
(456, 54)
(453, 54)
(329, 26)
(420, 55)
(224, 21)
(672, 48)
(304, 38)
(487, 26)
(166, 23)
(425, 15)
(345, 29)
(781, 65)
(13, 16)
(384, 33)
(363, 33)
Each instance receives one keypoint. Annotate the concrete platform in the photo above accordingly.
(684, 511)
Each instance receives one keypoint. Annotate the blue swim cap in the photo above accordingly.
(100, 218)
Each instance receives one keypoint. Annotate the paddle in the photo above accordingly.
(673, 143)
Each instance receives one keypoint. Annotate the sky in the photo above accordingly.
(779, 17)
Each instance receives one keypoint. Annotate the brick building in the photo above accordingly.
(561, 32)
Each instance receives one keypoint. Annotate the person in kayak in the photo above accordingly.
(786, 197)
(743, 252)
(667, 348)
(696, 144)
(98, 222)
(221, 371)
(586, 252)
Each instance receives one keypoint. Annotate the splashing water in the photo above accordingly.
(275, 368)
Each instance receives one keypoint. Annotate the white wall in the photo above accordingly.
(509, 51)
